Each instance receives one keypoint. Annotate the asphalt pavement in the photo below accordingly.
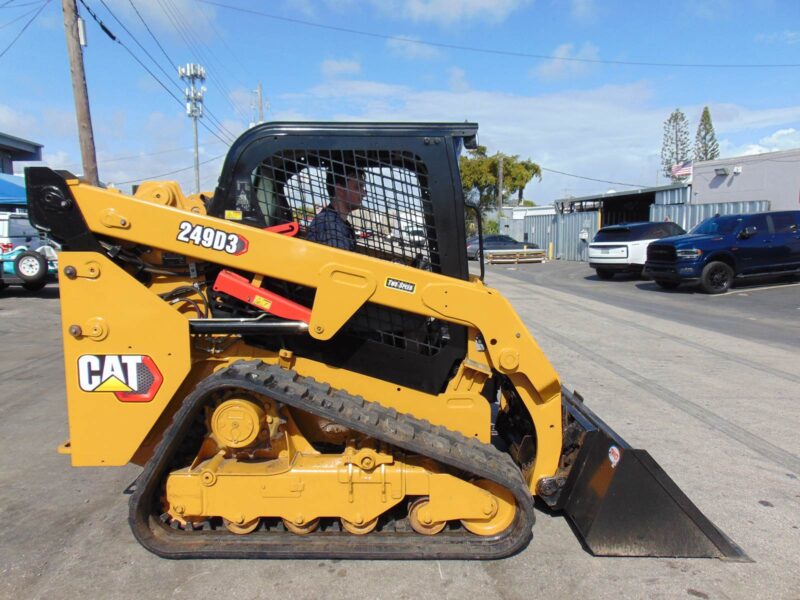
(716, 406)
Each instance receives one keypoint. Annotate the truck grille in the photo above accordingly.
(661, 253)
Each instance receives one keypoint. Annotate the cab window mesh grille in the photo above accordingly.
(370, 202)
(376, 203)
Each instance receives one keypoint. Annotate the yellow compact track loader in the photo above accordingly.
(305, 367)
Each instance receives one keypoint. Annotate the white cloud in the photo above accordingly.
(336, 68)
(244, 100)
(16, 123)
(354, 89)
(450, 12)
(710, 10)
(782, 139)
(561, 68)
(784, 37)
(458, 80)
(612, 132)
(732, 118)
(582, 9)
(306, 7)
(164, 17)
(409, 49)
(59, 159)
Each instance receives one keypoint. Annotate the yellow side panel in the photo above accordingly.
(126, 352)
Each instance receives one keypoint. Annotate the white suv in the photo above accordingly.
(16, 230)
(622, 248)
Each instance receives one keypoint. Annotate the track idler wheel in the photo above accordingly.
(420, 520)
(360, 528)
(500, 510)
(301, 528)
(242, 528)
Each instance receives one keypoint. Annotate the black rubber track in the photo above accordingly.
(413, 435)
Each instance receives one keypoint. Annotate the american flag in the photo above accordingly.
(682, 169)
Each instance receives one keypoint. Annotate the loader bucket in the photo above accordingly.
(622, 503)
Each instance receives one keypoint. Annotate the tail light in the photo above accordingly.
(6, 247)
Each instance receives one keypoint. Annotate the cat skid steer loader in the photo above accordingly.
(290, 398)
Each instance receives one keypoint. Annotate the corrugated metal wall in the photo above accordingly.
(689, 215)
(570, 245)
(674, 196)
(540, 229)
(513, 227)
(564, 230)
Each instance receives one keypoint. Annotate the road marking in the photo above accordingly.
(756, 289)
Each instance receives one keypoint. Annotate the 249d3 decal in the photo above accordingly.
(130, 377)
(214, 239)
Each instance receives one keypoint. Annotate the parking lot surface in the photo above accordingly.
(716, 406)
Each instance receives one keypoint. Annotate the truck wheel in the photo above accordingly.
(31, 267)
(716, 278)
(667, 285)
(605, 274)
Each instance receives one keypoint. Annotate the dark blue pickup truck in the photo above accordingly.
(723, 248)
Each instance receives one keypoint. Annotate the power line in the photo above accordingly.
(141, 155)
(20, 17)
(114, 38)
(152, 35)
(212, 117)
(175, 17)
(169, 77)
(495, 51)
(635, 185)
(31, 20)
(6, 4)
(133, 37)
(205, 162)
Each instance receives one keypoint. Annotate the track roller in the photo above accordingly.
(241, 528)
(303, 528)
(360, 529)
(500, 510)
(419, 518)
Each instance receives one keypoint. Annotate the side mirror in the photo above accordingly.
(472, 201)
(747, 232)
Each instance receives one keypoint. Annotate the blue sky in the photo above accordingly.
(597, 120)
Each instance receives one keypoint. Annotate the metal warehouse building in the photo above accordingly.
(746, 184)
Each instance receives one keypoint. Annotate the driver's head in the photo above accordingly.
(346, 186)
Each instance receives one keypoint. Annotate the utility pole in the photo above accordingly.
(192, 73)
(79, 91)
(499, 187)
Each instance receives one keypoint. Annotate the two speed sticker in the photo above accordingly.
(213, 239)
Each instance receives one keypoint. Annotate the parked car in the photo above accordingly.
(31, 269)
(622, 248)
(725, 248)
(413, 236)
(16, 230)
(495, 242)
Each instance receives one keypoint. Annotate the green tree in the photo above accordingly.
(517, 174)
(675, 147)
(705, 142)
(479, 176)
